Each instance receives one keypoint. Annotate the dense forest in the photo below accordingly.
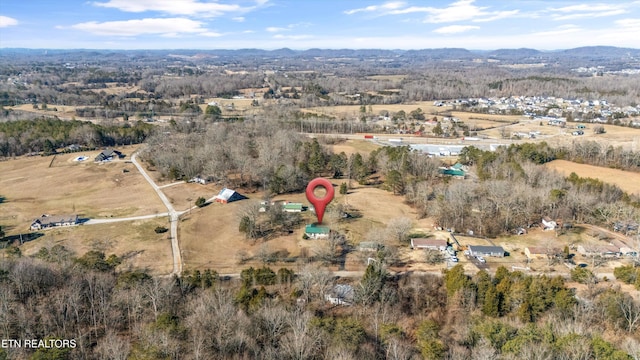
(115, 313)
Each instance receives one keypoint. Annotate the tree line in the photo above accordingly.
(48, 134)
(118, 313)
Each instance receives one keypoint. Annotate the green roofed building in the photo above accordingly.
(455, 170)
(315, 231)
(292, 207)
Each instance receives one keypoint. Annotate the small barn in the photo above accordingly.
(478, 250)
(49, 221)
(315, 231)
(227, 195)
(431, 244)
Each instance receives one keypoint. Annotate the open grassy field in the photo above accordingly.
(136, 241)
(32, 186)
(626, 180)
(354, 146)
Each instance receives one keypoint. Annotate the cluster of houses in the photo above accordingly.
(580, 109)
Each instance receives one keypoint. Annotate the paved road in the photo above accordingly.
(173, 217)
(132, 218)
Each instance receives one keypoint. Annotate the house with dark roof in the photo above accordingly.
(478, 250)
(227, 195)
(49, 221)
(108, 154)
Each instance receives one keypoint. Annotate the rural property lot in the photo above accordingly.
(136, 241)
(209, 237)
(626, 180)
(31, 188)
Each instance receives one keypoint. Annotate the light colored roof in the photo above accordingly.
(225, 194)
(293, 206)
(54, 219)
(541, 250)
(428, 242)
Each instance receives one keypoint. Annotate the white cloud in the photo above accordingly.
(150, 26)
(6, 21)
(274, 29)
(629, 23)
(455, 29)
(461, 10)
(560, 30)
(181, 7)
(238, 19)
(582, 11)
(465, 10)
(393, 5)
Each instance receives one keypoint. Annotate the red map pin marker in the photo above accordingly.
(320, 204)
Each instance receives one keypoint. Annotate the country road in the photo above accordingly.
(173, 218)
(132, 218)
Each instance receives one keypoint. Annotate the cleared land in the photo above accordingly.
(135, 241)
(210, 238)
(30, 188)
(626, 180)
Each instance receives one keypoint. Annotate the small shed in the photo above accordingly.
(478, 250)
(227, 195)
(315, 231)
(431, 244)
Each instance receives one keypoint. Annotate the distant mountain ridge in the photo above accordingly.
(585, 54)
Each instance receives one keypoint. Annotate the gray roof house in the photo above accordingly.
(49, 221)
(477, 250)
(108, 154)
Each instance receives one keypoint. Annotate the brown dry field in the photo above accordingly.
(626, 180)
(354, 146)
(135, 240)
(32, 188)
(354, 110)
(64, 111)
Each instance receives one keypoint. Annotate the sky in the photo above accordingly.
(326, 24)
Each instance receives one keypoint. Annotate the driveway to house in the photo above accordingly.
(173, 217)
(133, 218)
